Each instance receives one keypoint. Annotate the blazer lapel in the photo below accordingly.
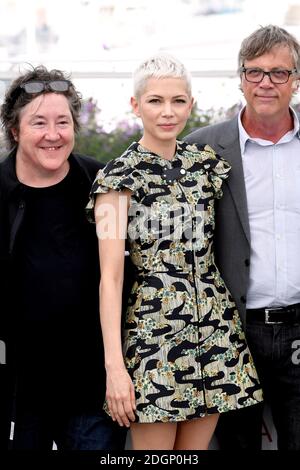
(230, 149)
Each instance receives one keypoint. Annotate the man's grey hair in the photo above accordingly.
(161, 65)
(264, 39)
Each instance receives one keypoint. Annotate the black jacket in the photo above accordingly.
(12, 205)
(89, 394)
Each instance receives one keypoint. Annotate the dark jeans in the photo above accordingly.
(81, 432)
(276, 353)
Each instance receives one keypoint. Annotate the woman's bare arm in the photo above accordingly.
(111, 213)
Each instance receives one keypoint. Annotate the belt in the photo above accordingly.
(275, 315)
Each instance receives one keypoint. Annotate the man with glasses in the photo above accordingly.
(258, 230)
(49, 272)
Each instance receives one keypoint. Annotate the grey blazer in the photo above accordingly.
(232, 236)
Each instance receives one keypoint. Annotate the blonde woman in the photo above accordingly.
(184, 358)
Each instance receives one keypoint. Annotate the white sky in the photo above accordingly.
(84, 26)
(89, 39)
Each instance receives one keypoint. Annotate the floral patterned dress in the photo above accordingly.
(184, 346)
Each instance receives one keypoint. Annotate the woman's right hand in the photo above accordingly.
(120, 396)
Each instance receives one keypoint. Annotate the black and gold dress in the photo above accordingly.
(184, 346)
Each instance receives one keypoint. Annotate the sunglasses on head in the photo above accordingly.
(37, 86)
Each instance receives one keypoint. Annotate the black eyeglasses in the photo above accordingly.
(37, 86)
(256, 75)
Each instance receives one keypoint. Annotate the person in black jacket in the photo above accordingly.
(53, 369)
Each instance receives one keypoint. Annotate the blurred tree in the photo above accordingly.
(104, 145)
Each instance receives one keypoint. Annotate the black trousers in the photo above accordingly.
(240, 429)
(276, 354)
(5, 406)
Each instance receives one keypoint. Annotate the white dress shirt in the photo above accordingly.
(272, 178)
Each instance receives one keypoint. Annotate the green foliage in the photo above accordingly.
(104, 145)
(95, 140)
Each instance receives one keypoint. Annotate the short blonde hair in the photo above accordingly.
(161, 65)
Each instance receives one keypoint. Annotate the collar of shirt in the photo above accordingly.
(244, 136)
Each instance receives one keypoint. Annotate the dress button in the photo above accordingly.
(247, 262)
(243, 299)
(182, 171)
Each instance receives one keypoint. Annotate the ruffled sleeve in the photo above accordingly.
(218, 171)
(117, 175)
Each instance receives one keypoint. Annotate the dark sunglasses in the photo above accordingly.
(37, 86)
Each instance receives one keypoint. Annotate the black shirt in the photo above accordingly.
(56, 312)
